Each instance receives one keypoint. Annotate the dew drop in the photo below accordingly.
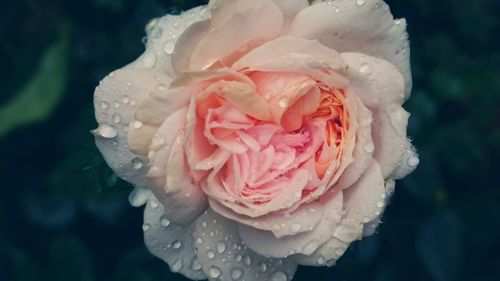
(146, 227)
(204, 224)
(279, 276)
(321, 260)
(210, 254)
(176, 244)
(137, 124)
(236, 273)
(104, 105)
(262, 267)
(164, 221)
(283, 102)
(126, 99)
(214, 272)
(196, 265)
(168, 47)
(117, 118)
(380, 204)
(106, 131)
(137, 164)
(153, 204)
(360, 2)
(247, 260)
(220, 247)
(413, 161)
(365, 68)
(176, 266)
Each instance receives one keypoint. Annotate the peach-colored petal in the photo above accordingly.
(363, 150)
(204, 43)
(265, 243)
(348, 27)
(223, 256)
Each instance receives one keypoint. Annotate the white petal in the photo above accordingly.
(172, 243)
(326, 255)
(347, 26)
(224, 257)
(115, 102)
(380, 86)
(265, 243)
(363, 202)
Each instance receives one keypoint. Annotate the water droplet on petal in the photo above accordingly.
(413, 161)
(106, 131)
(321, 260)
(283, 102)
(365, 68)
(279, 276)
(196, 265)
(168, 47)
(176, 266)
(210, 254)
(176, 244)
(137, 124)
(164, 221)
(236, 273)
(247, 260)
(214, 272)
(104, 105)
(380, 204)
(262, 267)
(360, 2)
(117, 118)
(220, 247)
(146, 227)
(137, 164)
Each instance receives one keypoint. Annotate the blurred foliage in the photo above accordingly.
(64, 215)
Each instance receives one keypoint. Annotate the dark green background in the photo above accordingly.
(64, 215)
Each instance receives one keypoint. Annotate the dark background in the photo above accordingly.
(65, 216)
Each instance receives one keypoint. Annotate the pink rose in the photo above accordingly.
(263, 134)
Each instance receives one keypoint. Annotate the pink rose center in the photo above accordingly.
(260, 140)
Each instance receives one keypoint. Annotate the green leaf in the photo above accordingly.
(42, 93)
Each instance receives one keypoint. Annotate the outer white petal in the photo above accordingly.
(265, 243)
(115, 102)
(116, 97)
(380, 87)
(172, 243)
(326, 255)
(223, 256)
(357, 26)
(363, 202)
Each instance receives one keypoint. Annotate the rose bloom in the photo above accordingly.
(262, 134)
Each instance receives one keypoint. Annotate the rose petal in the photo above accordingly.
(381, 90)
(114, 101)
(326, 255)
(279, 224)
(290, 8)
(203, 43)
(363, 202)
(223, 256)
(170, 242)
(184, 201)
(265, 243)
(162, 34)
(363, 151)
(347, 26)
